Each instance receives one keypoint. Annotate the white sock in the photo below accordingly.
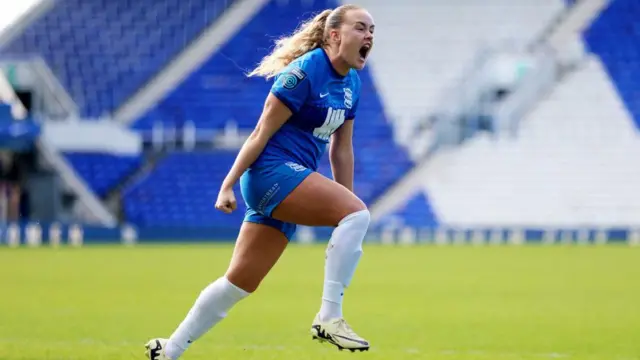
(343, 254)
(211, 306)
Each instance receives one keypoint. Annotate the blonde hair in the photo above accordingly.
(310, 35)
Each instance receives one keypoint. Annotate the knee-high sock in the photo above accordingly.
(343, 255)
(209, 308)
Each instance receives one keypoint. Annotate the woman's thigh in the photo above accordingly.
(317, 201)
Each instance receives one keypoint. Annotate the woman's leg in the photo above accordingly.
(318, 201)
(257, 249)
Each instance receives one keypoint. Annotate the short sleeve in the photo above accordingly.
(292, 86)
(351, 113)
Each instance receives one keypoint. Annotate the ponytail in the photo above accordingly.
(310, 35)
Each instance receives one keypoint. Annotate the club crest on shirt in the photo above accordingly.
(348, 98)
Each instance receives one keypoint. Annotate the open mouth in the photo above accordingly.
(364, 51)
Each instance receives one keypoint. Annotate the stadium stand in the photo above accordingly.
(104, 51)
(482, 182)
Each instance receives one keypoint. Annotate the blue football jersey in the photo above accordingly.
(320, 99)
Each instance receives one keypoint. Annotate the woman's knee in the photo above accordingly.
(247, 274)
(359, 219)
(357, 207)
(246, 281)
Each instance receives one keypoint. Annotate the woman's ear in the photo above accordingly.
(334, 35)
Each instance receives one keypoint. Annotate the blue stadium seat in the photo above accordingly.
(103, 51)
(103, 171)
(614, 36)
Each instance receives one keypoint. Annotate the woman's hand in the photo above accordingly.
(226, 201)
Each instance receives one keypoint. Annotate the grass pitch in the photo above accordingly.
(422, 302)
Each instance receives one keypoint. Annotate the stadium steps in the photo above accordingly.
(113, 199)
(102, 171)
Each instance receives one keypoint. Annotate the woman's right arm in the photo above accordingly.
(274, 115)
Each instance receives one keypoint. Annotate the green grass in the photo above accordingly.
(429, 302)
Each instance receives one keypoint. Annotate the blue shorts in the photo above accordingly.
(264, 187)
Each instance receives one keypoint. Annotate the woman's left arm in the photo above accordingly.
(341, 155)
